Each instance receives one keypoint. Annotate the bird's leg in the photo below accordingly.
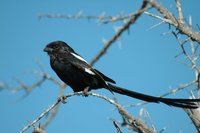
(85, 91)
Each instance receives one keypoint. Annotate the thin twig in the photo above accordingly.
(40, 116)
(171, 19)
(117, 126)
(125, 27)
(101, 18)
(139, 126)
(180, 13)
(55, 110)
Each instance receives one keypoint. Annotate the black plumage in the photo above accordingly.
(72, 69)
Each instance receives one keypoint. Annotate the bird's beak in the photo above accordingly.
(48, 50)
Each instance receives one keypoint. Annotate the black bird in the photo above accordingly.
(76, 72)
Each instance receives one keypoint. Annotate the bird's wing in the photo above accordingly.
(80, 63)
(105, 77)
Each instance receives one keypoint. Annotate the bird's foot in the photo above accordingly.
(85, 91)
(63, 99)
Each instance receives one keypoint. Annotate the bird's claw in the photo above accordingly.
(85, 92)
(62, 99)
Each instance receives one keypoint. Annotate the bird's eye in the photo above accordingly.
(55, 47)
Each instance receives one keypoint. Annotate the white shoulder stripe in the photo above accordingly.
(78, 57)
(89, 71)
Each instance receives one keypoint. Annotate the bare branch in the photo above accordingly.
(159, 17)
(191, 59)
(156, 25)
(101, 18)
(125, 27)
(55, 110)
(27, 88)
(38, 129)
(3, 85)
(41, 116)
(195, 117)
(136, 124)
(117, 127)
(180, 13)
(169, 18)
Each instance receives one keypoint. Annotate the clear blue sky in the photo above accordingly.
(144, 63)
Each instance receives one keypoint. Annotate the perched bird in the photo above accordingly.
(76, 72)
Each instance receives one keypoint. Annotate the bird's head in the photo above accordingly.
(57, 46)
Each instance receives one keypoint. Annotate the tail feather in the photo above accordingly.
(182, 103)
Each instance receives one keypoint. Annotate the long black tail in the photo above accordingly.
(181, 103)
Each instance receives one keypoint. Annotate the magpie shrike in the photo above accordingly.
(76, 72)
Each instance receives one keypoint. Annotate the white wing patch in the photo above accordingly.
(89, 71)
(106, 82)
(78, 57)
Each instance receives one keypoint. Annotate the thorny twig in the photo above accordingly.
(126, 26)
(193, 114)
(28, 88)
(169, 18)
(146, 114)
(40, 116)
(138, 125)
(101, 18)
(180, 13)
(55, 110)
(115, 123)
(191, 56)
